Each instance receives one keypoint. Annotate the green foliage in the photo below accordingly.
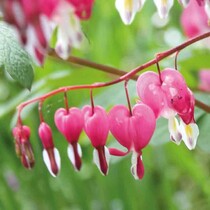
(13, 58)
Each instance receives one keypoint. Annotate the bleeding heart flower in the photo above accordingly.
(51, 155)
(133, 131)
(70, 124)
(167, 94)
(96, 126)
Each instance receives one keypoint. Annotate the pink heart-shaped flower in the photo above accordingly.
(96, 126)
(132, 131)
(69, 123)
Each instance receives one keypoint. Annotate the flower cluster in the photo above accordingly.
(35, 22)
(128, 8)
(161, 95)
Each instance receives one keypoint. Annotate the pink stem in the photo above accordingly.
(126, 76)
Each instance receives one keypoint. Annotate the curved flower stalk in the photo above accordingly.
(96, 126)
(70, 123)
(35, 22)
(168, 95)
(51, 155)
(133, 132)
(23, 147)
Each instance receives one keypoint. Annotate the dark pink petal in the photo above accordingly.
(189, 116)
(96, 125)
(175, 90)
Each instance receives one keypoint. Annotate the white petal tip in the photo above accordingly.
(52, 161)
(75, 154)
(190, 134)
(101, 158)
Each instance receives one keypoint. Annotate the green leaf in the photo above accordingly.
(13, 58)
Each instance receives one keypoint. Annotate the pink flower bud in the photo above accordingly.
(45, 134)
(23, 146)
(50, 153)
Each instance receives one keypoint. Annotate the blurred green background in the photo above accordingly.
(175, 178)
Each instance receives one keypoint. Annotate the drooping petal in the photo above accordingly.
(101, 158)
(188, 117)
(173, 127)
(190, 134)
(163, 7)
(137, 167)
(128, 9)
(52, 161)
(74, 152)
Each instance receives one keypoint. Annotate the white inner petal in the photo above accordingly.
(47, 160)
(190, 134)
(174, 130)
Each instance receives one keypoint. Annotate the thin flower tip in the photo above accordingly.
(190, 134)
(127, 10)
(175, 134)
(52, 161)
(101, 158)
(137, 167)
(74, 152)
